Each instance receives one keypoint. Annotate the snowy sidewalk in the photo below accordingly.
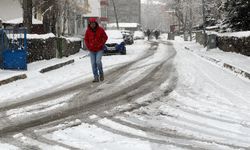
(8, 76)
(235, 62)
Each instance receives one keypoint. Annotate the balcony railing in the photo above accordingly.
(104, 2)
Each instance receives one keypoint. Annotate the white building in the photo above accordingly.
(93, 9)
(10, 9)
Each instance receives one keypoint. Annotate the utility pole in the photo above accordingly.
(140, 12)
(191, 20)
(204, 21)
(116, 18)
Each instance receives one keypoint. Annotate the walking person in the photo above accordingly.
(95, 39)
(148, 32)
(157, 34)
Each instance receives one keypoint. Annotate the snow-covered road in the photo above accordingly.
(166, 98)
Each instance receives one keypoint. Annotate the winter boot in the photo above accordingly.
(101, 77)
(96, 79)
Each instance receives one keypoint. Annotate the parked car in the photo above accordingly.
(115, 43)
(128, 37)
(139, 35)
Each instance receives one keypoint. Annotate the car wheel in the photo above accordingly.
(123, 52)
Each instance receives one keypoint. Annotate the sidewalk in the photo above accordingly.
(235, 62)
(43, 75)
(8, 76)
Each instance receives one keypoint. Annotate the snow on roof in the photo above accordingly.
(20, 20)
(233, 34)
(123, 25)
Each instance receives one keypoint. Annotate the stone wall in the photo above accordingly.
(70, 47)
(39, 49)
(229, 43)
(234, 44)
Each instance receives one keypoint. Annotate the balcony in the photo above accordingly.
(104, 2)
(104, 19)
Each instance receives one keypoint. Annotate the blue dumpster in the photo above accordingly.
(13, 49)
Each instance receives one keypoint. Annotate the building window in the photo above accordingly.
(104, 11)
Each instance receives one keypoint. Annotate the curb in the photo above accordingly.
(206, 57)
(12, 79)
(210, 59)
(84, 56)
(225, 65)
(57, 66)
(237, 70)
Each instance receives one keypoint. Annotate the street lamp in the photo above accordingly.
(116, 18)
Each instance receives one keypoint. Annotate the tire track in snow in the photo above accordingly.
(21, 102)
(203, 113)
(223, 116)
(71, 109)
(156, 73)
(168, 133)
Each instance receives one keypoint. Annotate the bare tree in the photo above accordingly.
(27, 14)
(58, 15)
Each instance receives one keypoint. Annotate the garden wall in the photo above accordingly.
(51, 47)
(238, 42)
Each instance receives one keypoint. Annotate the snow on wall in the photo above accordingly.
(40, 36)
(232, 34)
(236, 34)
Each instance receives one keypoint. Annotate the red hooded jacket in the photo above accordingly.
(95, 39)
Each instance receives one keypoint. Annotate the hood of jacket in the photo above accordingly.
(93, 20)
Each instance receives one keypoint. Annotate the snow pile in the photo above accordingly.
(8, 147)
(212, 27)
(232, 34)
(73, 39)
(40, 36)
